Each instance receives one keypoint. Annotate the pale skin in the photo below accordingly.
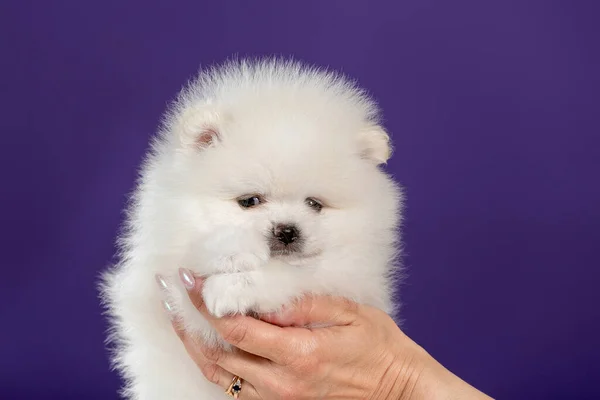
(362, 354)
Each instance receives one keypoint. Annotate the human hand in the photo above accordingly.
(360, 354)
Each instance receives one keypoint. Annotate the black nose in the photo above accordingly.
(286, 234)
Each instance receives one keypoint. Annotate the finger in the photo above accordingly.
(219, 365)
(193, 285)
(252, 336)
(211, 370)
(316, 310)
(246, 333)
(248, 391)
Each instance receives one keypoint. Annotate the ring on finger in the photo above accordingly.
(235, 387)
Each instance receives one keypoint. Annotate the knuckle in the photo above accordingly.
(212, 353)
(271, 384)
(282, 387)
(302, 390)
(285, 352)
(235, 333)
(284, 357)
(284, 390)
(290, 391)
(305, 356)
(303, 362)
(349, 305)
(210, 371)
(307, 366)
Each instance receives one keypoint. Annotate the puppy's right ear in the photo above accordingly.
(374, 145)
(198, 128)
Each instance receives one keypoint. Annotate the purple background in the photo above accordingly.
(493, 107)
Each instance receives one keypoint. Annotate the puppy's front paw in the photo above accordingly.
(227, 294)
(240, 262)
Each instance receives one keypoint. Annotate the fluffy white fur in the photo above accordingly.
(274, 128)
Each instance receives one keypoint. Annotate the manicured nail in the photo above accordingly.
(161, 282)
(187, 278)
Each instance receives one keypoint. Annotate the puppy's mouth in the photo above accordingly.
(291, 252)
(280, 249)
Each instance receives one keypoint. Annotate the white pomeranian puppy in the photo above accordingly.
(266, 179)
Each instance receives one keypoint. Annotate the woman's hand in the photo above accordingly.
(359, 354)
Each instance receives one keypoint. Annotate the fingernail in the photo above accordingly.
(161, 282)
(187, 278)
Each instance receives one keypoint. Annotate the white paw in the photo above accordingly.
(241, 262)
(227, 294)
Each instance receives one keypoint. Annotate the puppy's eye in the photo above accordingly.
(314, 204)
(250, 201)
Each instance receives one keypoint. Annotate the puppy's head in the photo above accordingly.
(289, 159)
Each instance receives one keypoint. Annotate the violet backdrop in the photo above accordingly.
(493, 108)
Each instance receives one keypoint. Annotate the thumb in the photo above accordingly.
(316, 311)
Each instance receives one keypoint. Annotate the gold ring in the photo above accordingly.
(235, 387)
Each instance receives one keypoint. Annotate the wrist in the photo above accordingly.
(410, 374)
(403, 370)
(419, 376)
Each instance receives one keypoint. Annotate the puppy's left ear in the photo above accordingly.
(198, 128)
(374, 145)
